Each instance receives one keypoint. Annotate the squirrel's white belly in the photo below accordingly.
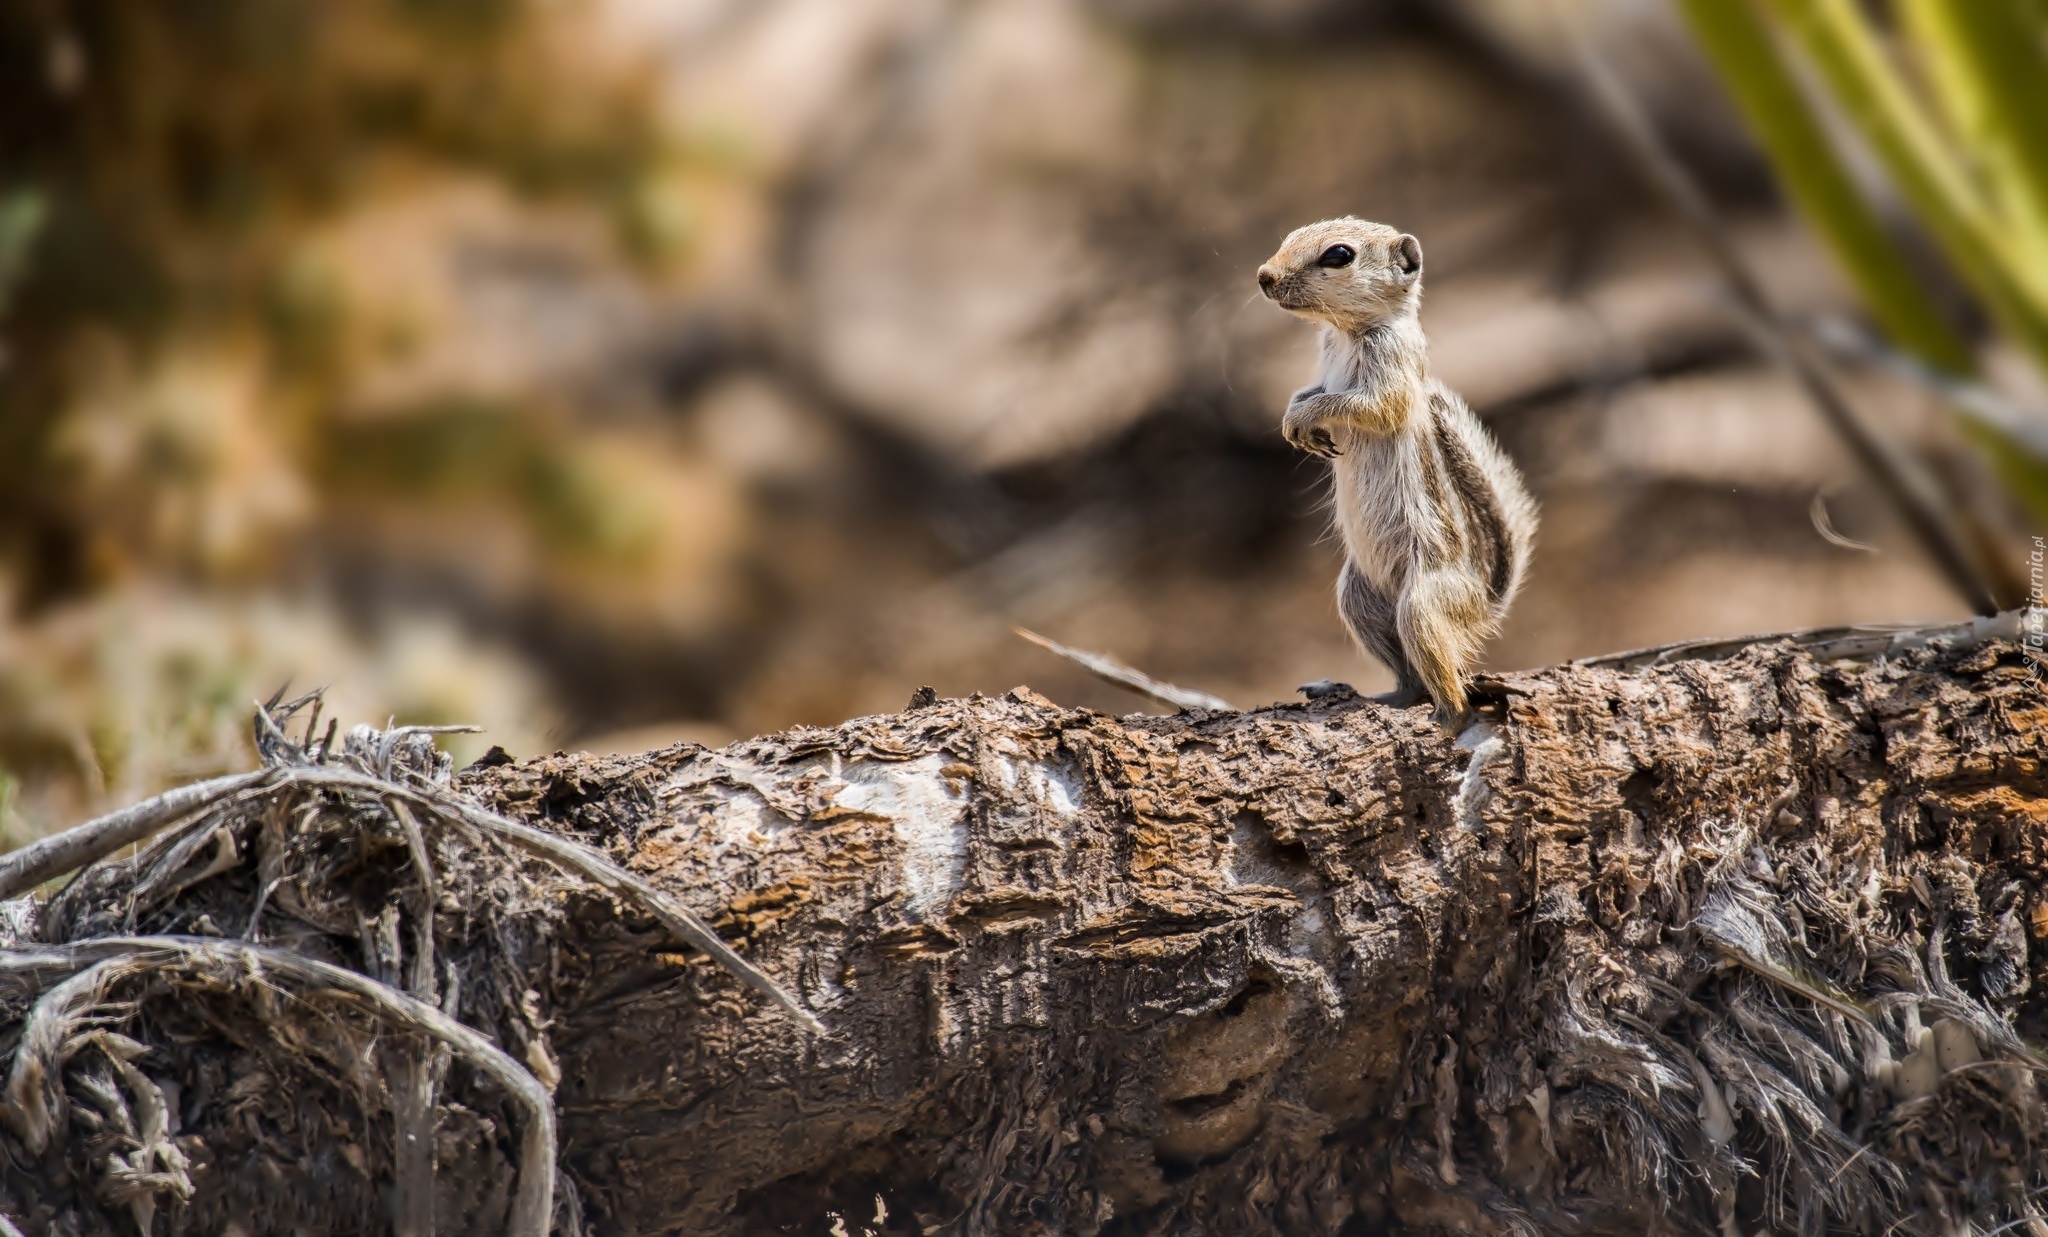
(1380, 534)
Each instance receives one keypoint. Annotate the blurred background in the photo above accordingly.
(611, 372)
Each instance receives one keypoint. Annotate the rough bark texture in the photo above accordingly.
(1703, 946)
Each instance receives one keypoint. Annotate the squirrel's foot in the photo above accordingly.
(1314, 438)
(1306, 429)
(1452, 722)
(1405, 697)
(1327, 689)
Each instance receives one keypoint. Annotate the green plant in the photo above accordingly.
(174, 167)
(21, 217)
(222, 225)
(1952, 99)
(10, 824)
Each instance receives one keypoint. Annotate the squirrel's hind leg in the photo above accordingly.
(1371, 617)
(1442, 617)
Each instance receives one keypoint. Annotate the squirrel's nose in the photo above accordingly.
(1267, 279)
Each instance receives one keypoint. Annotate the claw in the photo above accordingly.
(1315, 440)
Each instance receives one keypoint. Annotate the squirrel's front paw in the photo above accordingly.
(1307, 429)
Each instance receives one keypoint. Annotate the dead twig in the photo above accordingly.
(1817, 512)
(1859, 643)
(53, 856)
(1110, 670)
(414, 1083)
(96, 839)
(34, 1092)
(584, 862)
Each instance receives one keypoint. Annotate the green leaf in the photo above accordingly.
(22, 212)
(1806, 163)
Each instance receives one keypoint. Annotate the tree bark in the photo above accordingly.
(1731, 939)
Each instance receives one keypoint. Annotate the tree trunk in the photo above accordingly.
(1728, 940)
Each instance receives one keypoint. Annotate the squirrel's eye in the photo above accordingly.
(1336, 256)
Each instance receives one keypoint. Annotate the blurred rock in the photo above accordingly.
(1056, 233)
(454, 286)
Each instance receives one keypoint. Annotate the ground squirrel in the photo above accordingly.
(1435, 522)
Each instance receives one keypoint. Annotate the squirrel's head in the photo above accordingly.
(1347, 272)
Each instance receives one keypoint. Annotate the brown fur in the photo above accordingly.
(1437, 527)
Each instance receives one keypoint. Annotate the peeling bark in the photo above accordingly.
(1743, 941)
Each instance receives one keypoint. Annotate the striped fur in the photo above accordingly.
(1436, 524)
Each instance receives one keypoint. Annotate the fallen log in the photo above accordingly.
(1721, 938)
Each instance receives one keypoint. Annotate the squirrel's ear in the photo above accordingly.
(1407, 256)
